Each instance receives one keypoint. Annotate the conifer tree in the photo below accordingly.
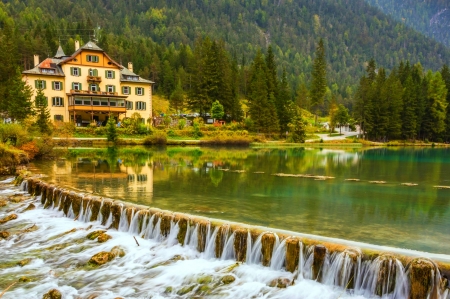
(409, 117)
(17, 99)
(42, 112)
(177, 98)
(319, 79)
(434, 124)
(445, 73)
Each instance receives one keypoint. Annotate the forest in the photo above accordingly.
(431, 18)
(199, 52)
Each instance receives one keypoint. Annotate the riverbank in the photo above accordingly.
(11, 159)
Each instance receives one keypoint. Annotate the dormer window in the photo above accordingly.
(133, 78)
(47, 71)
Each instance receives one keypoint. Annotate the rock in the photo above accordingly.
(52, 294)
(93, 235)
(227, 279)
(30, 207)
(4, 235)
(8, 218)
(24, 262)
(117, 251)
(16, 198)
(186, 290)
(24, 279)
(3, 203)
(101, 258)
(168, 290)
(204, 279)
(103, 238)
(281, 283)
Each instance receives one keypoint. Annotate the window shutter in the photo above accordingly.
(53, 85)
(123, 89)
(44, 84)
(71, 71)
(145, 106)
(81, 88)
(143, 90)
(79, 72)
(106, 74)
(36, 84)
(60, 85)
(136, 90)
(73, 85)
(95, 73)
(113, 74)
(114, 88)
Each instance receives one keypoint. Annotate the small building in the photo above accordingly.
(89, 86)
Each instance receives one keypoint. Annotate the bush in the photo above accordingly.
(181, 124)
(196, 133)
(159, 137)
(225, 138)
(30, 148)
(13, 134)
(10, 156)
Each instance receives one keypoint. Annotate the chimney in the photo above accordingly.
(77, 45)
(130, 66)
(36, 60)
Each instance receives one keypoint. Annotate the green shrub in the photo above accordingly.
(10, 156)
(181, 124)
(13, 134)
(158, 137)
(196, 132)
(227, 138)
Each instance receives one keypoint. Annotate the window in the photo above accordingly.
(58, 102)
(139, 91)
(110, 88)
(94, 87)
(40, 84)
(76, 86)
(59, 117)
(125, 89)
(92, 58)
(48, 71)
(129, 105)
(93, 72)
(75, 71)
(57, 85)
(141, 105)
(110, 74)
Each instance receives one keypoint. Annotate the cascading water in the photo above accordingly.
(217, 246)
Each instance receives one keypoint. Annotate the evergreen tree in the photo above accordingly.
(434, 124)
(282, 102)
(445, 73)
(319, 80)
(297, 128)
(18, 98)
(342, 117)
(302, 96)
(409, 117)
(42, 112)
(177, 98)
(111, 130)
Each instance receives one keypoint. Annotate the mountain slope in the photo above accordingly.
(352, 30)
(431, 18)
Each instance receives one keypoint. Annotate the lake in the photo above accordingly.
(355, 194)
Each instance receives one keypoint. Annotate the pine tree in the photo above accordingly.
(319, 80)
(342, 117)
(434, 124)
(445, 73)
(297, 127)
(282, 102)
(18, 98)
(409, 117)
(217, 110)
(177, 98)
(42, 112)
(111, 130)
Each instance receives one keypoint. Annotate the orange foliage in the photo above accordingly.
(30, 148)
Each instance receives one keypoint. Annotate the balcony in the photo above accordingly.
(94, 93)
(94, 79)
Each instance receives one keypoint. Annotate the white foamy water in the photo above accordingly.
(59, 252)
(155, 266)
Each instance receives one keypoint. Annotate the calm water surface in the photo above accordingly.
(240, 185)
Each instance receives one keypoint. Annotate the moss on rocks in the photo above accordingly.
(117, 251)
(24, 262)
(30, 207)
(52, 294)
(227, 279)
(222, 235)
(185, 290)
(103, 238)
(101, 258)
(267, 244)
(95, 209)
(166, 219)
(93, 235)
(182, 224)
(8, 218)
(202, 231)
(116, 210)
(3, 203)
(421, 275)
(105, 210)
(320, 252)
(240, 244)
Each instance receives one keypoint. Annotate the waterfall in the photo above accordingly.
(156, 233)
(147, 233)
(188, 234)
(109, 221)
(343, 269)
(24, 185)
(279, 256)
(255, 254)
(193, 239)
(210, 249)
(123, 224)
(300, 262)
(228, 249)
(249, 246)
(134, 226)
(70, 213)
(88, 213)
(144, 225)
(100, 215)
(172, 237)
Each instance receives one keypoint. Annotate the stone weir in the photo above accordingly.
(368, 271)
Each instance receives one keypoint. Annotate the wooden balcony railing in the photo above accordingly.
(94, 79)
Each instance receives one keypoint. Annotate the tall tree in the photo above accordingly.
(319, 79)
(18, 98)
(445, 73)
(434, 124)
(42, 112)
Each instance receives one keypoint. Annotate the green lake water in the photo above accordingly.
(240, 185)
